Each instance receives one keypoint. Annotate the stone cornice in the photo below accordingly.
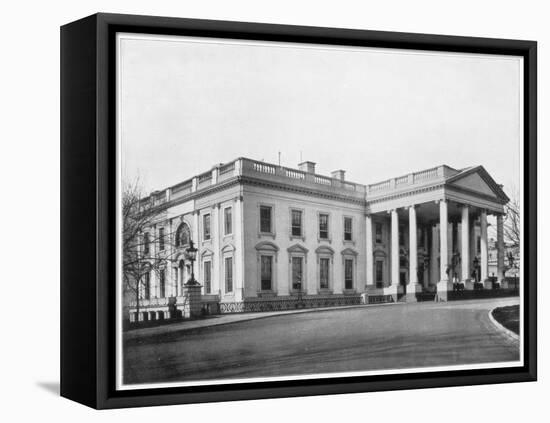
(228, 183)
(402, 194)
(300, 190)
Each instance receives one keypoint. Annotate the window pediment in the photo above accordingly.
(323, 249)
(379, 253)
(266, 246)
(297, 248)
(206, 253)
(349, 252)
(228, 248)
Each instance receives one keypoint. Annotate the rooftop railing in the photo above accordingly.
(259, 169)
(415, 178)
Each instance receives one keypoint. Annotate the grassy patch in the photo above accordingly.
(508, 317)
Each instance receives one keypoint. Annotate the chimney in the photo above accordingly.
(338, 174)
(308, 167)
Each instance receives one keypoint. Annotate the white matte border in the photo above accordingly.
(119, 306)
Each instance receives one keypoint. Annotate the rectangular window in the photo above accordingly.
(347, 228)
(162, 281)
(297, 273)
(229, 274)
(379, 274)
(265, 219)
(324, 264)
(207, 277)
(348, 273)
(323, 226)
(401, 236)
(147, 286)
(266, 272)
(378, 231)
(227, 220)
(296, 223)
(206, 226)
(146, 242)
(161, 239)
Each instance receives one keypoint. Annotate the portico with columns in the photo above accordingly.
(427, 232)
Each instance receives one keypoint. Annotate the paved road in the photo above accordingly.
(342, 340)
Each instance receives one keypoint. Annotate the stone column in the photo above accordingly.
(369, 251)
(484, 251)
(450, 247)
(217, 240)
(500, 252)
(414, 286)
(465, 246)
(238, 260)
(443, 284)
(394, 262)
(473, 244)
(434, 267)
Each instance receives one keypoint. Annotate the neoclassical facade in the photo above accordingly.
(266, 232)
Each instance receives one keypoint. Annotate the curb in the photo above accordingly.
(505, 331)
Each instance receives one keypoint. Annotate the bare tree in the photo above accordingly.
(140, 252)
(512, 221)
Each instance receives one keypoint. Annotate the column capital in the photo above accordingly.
(412, 206)
(441, 200)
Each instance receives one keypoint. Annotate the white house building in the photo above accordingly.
(267, 234)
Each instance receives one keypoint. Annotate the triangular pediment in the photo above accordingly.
(478, 180)
(474, 182)
(297, 248)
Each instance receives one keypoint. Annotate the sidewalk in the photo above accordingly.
(224, 319)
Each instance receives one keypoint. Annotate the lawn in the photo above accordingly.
(508, 317)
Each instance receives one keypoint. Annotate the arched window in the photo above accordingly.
(183, 235)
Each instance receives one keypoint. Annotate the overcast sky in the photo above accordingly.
(186, 105)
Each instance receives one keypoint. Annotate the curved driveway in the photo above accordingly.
(340, 340)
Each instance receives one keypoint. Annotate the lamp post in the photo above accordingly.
(191, 255)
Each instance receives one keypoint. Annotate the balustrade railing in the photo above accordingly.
(294, 174)
(229, 167)
(183, 187)
(205, 177)
(323, 180)
(263, 168)
(380, 186)
(402, 180)
(425, 174)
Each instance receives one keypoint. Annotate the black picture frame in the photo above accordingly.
(88, 199)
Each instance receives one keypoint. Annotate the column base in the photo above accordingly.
(487, 284)
(504, 284)
(390, 290)
(412, 291)
(443, 287)
(468, 284)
